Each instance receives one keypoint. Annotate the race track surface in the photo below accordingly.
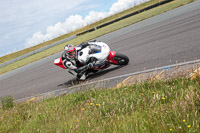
(162, 40)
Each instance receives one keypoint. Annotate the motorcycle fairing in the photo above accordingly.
(59, 63)
(111, 56)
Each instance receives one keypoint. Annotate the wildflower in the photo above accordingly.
(97, 105)
(170, 129)
(163, 98)
(153, 92)
(87, 104)
(76, 121)
(184, 120)
(91, 103)
(142, 94)
(189, 126)
(83, 109)
(70, 126)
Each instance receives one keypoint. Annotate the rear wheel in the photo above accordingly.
(121, 59)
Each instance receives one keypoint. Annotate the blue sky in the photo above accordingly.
(25, 23)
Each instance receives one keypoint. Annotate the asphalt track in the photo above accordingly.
(169, 38)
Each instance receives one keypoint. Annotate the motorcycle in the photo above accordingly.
(106, 58)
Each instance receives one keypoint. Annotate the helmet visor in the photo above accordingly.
(72, 54)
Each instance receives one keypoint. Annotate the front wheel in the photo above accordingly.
(121, 59)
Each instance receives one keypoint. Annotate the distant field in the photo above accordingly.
(149, 107)
(22, 52)
(94, 34)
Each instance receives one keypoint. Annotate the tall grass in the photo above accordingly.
(7, 102)
(158, 106)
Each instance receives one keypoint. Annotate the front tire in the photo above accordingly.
(121, 59)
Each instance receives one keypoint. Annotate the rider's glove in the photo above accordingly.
(92, 61)
(90, 65)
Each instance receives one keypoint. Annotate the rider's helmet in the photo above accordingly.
(70, 51)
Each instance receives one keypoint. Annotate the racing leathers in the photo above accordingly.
(88, 55)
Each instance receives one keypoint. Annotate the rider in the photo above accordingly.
(70, 59)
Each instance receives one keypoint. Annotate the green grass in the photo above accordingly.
(96, 33)
(7, 102)
(156, 106)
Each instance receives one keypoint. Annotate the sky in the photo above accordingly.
(25, 23)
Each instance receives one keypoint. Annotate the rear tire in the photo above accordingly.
(121, 59)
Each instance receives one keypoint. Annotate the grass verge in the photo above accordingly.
(152, 106)
(97, 33)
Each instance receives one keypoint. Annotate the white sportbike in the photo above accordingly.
(99, 50)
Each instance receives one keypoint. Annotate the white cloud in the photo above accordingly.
(20, 19)
(76, 21)
(121, 5)
(95, 16)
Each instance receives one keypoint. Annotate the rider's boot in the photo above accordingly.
(82, 76)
